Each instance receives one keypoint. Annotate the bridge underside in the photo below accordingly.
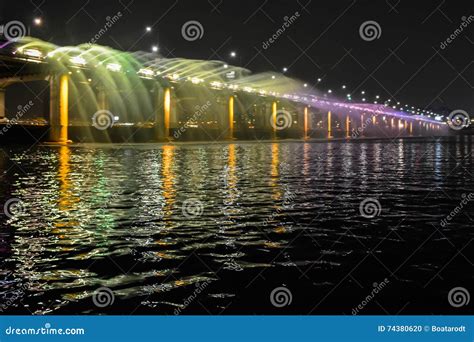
(163, 110)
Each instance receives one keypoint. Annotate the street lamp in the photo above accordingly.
(154, 48)
(38, 21)
(148, 29)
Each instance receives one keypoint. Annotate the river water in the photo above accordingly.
(240, 228)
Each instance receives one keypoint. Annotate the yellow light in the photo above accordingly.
(348, 126)
(63, 108)
(305, 122)
(167, 109)
(274, 116)
(231, 117)
(329, 125)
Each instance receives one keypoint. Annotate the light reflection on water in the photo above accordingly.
(273, 213)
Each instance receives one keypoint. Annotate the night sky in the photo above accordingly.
(406, 63)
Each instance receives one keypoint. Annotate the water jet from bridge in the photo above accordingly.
(99, 90)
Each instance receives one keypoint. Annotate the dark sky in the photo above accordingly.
(405, 63)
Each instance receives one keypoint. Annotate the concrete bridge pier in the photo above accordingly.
(273, 122)
(2, 104)
(59, 108)
(265, 120)
(230, 117)
(306, 123)
(329, 125)
(348, 126)
(163, 113)
(301, 117)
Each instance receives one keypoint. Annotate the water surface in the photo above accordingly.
(215, 228)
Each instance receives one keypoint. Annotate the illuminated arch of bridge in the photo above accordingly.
(171, 96)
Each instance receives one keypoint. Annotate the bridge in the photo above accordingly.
(99, 89)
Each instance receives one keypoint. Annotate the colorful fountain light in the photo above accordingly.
(124, 70)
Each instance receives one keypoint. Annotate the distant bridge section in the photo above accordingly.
(95, 86)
